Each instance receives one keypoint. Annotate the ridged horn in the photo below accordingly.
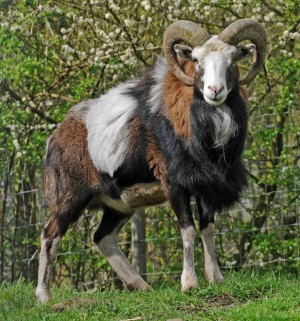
(248, 29)
(178, 31)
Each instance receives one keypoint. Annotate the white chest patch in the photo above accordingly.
(225, 126)
(107, 121)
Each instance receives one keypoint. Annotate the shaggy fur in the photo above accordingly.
(145, 141)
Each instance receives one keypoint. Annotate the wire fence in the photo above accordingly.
(262, 230)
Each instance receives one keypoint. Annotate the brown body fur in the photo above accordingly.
(177, 101)
(68, 167)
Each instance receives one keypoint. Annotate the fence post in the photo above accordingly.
(139, 246)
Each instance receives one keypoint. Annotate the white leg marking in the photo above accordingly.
(46, 260)
(109, 247)
(188, 278)
(211, 267)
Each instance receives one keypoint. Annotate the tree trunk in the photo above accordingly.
(2, 217)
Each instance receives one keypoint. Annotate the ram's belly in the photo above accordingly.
(133, 197)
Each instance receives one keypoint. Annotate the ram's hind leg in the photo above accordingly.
(106, 238)
(50, 240)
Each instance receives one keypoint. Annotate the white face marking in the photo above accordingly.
(107, 121)
(214, 78)
(214, 64)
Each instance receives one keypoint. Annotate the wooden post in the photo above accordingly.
(139, 246)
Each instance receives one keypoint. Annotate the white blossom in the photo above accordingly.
(4, 99)
(49, 103)
(149, 46)
(99, 53)
(68, 49)
(294, 35)
(16, 144)
(128, 23)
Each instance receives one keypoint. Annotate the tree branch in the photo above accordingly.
(6, 88)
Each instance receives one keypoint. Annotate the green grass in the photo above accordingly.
(243, 296)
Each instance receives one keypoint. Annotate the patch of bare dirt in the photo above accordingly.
(72, 303)
(216, 301)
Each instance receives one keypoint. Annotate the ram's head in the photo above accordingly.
(215, 57)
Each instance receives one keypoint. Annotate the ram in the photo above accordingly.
(176, 132)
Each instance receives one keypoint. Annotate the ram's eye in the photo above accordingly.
(235, 59)
(195, 60)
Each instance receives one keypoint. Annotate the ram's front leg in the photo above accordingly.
(180, 203)
(207, 226)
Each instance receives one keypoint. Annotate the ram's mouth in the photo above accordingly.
(214, 102)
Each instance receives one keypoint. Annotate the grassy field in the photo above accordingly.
(243, 296)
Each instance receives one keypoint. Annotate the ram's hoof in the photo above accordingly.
(43, 295)
(139, 284)
(189, 281)
(214, 278)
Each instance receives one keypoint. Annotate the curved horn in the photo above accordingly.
(182, 30)
(248, 29)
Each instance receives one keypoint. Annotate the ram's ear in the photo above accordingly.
(245, 51)
(183, 52)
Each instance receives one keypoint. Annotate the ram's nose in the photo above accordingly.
(215, 90)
